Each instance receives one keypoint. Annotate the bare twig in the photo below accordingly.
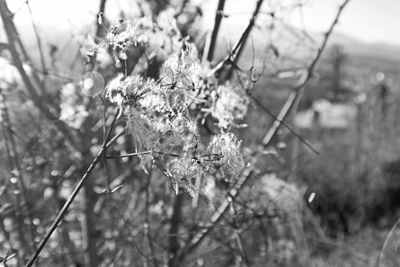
(298, 91)
(239, 239)
(15, 166)
(232, 56)
(181, 8)
(147, 226)
(38, 41)
(74, 193)
(100, 13)
(194, 242)
(6, 16)
(214, 35)
(243, 38)
(266, 110)
(173, 246)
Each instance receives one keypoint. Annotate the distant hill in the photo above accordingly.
(374, 50)
(378, 56)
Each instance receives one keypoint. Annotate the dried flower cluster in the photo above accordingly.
(160, 112)
(229, 104)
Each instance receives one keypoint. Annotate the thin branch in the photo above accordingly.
(38, 40)
(181, 9)
(3, 46)
(265, 109)
(173, 240)
(218, 18)
(100, 13)
(206, 157)
(243, 39)
(16, 165)
(129, 155)
(74, 193)
(6, 16)
(239, 239)
(196, 240)
(298, 91)
(232, 56)
(147, 226)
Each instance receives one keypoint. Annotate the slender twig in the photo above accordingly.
(181, 8)
(16, 165)
(195, 241)
(173, 240)
(244, 37)
(100, 13)
(298, 136)
(298, 91)
(239, 239)
(17, 198)
(214, 35)
(6, 16)
(206, 157)
(129, 155)
(74, 193)
(147, 225)
(232, 56)
(38, 41)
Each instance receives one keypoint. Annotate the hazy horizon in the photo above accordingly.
(365, 20)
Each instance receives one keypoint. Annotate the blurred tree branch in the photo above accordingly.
(107, 142)
(296, 94)
(9, 28)
(218, 18)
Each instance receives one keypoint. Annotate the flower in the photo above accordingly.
(228, 105)
(228, 147)
(129, 90)
(142, 130)
(183, 172)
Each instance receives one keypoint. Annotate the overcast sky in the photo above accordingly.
(366, 20)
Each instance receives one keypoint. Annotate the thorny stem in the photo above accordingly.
(74, 193)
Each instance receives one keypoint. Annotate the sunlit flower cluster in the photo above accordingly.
(183, 173)
(124, 35)
(159, 112)
(228, 147)
(228, 104)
